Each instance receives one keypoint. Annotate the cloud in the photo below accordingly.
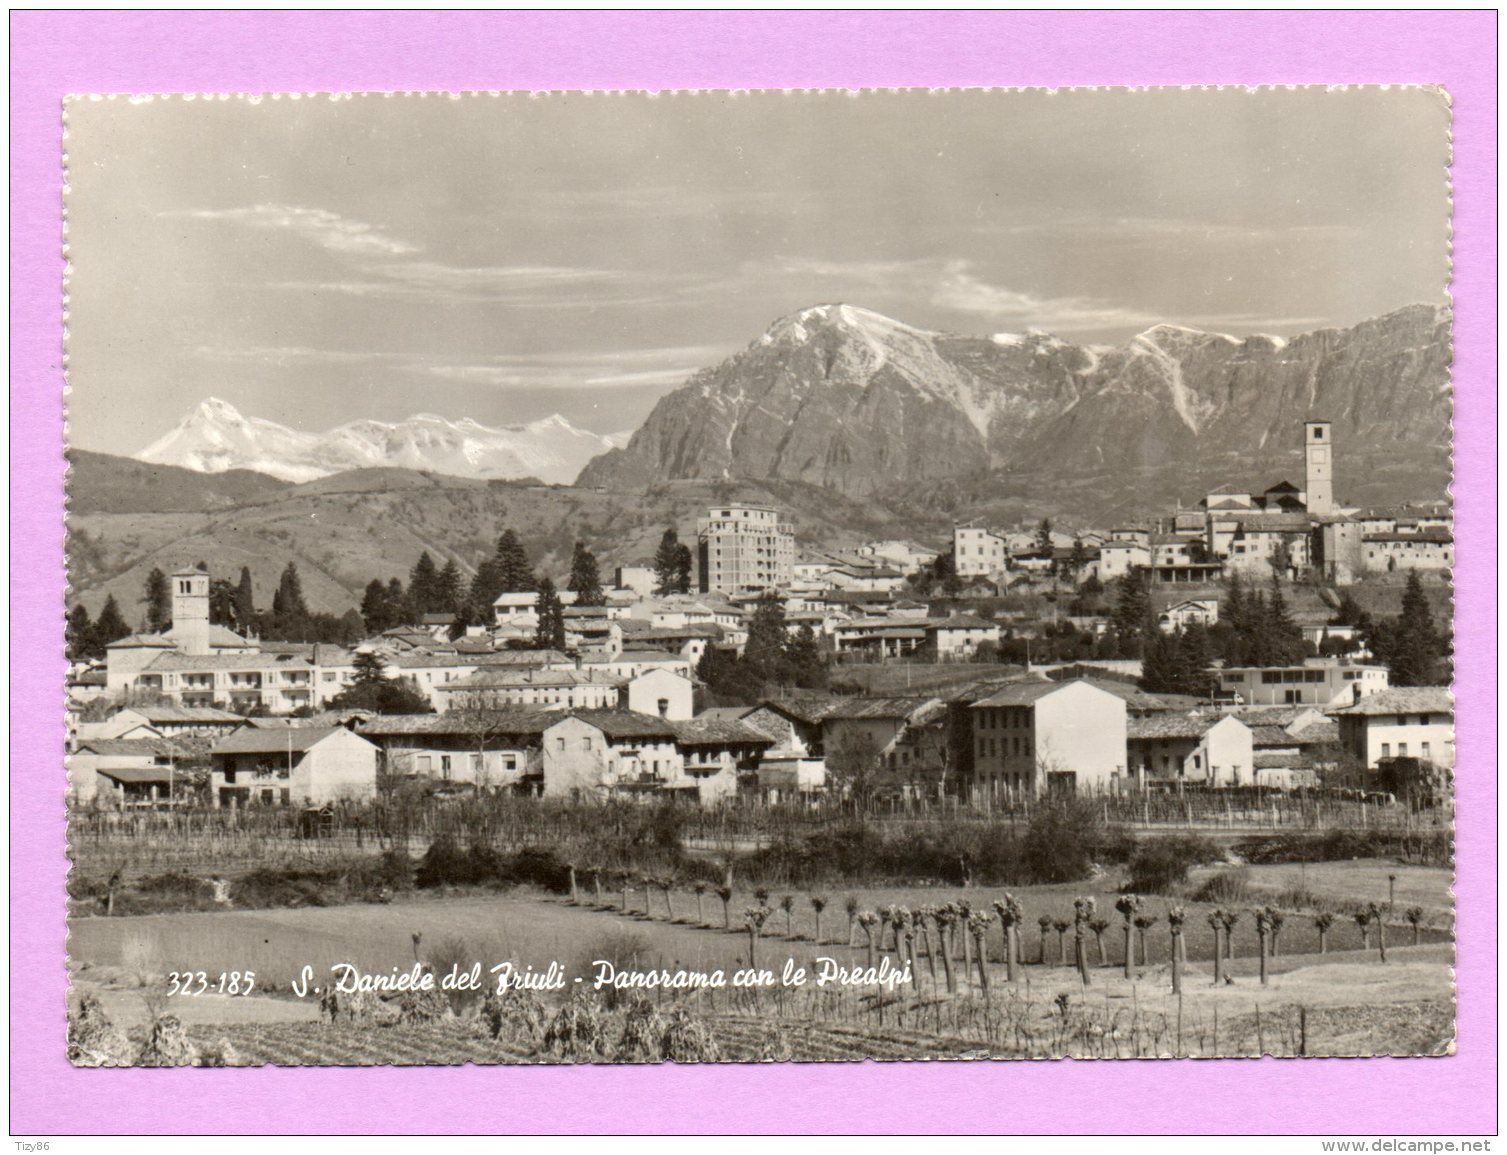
(961, 290)
(1164, 230)
(631, 368)
(321, 227)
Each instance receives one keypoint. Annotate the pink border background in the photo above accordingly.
(53, 53)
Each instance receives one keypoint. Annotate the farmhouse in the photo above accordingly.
(595, 752)
(292, 767)
(491, 748)
(563, 689)
(120, 771)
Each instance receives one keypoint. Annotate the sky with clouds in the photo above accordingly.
(319, 259)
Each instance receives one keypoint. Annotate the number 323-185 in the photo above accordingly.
(203, 983)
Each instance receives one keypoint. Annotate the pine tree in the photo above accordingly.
(1078, 560)
(245, 601)
(1287, 645)
(803, 656)
(485, 586)
(667, 564)
(447, 589)
(400, 610)
(1416, 647)
(1159, 665)
(586, 577)
(765, 651)
(685, 566)
(1132, 609)
(423, 585)
(1044, 538)
(1193, 661)
(110, 626)
(375, 611)
(515, 573)
(80, 634)
(159, 602)
(550, 632)
(370, 668)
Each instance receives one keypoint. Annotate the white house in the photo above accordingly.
(1038, 736)
(1405, 722)
(1195, 612)
(293, 766)
(662, 692)
(1119, 558)
(1318, 682)
(1206, 750)
(960, 635)
(978, 552)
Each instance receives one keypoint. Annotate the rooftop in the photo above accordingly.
(710, 731)
(253, 740)
(1402, 700)
(1171, 726)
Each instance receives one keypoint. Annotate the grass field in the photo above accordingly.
(534, 930)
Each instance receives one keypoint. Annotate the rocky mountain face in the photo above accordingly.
(214, 437)
(841, 397)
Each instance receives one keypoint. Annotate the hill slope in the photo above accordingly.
(342, 531)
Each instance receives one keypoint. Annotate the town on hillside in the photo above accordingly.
(1270, 642)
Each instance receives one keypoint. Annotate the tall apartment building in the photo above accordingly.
(744, 547)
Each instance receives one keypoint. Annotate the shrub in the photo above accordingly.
(1063, 840)
(1160, 864)
(1435, 848)
(1226, 888)
(537, 866)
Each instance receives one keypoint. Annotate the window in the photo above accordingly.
(426, 763)
(1402, 749)
(586, 743)
(445, 766)
(1386, 749)
(560, 744)
(1425, 751)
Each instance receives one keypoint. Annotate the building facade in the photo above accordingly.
(744, 547)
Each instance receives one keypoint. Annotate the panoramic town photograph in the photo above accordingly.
(764, 576)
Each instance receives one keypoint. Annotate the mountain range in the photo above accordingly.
(847, 399)
(214, 437)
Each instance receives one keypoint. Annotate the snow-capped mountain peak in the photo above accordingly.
(214, 437)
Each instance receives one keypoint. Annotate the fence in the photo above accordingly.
(217, 841)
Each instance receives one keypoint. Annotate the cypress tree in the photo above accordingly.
(685, 565)
(288, 601)
(667, 564)
(550, 632)
(159, 602)
(586, 577)
(245, 600)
